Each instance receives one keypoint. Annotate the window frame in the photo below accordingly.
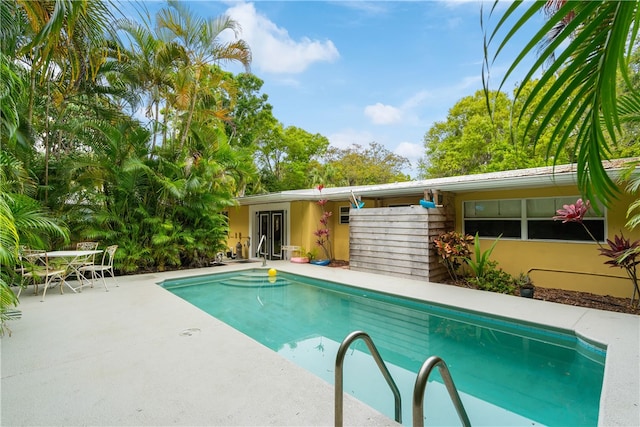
(525, 220)
(342, 215)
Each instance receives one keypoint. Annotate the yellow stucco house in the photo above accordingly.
(518, 205)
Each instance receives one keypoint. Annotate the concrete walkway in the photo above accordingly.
(138, 355)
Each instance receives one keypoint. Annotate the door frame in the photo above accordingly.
(284, 208)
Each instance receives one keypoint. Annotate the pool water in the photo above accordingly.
(506, 373)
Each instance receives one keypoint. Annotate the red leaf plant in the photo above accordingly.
(322, 233)
(622, 252)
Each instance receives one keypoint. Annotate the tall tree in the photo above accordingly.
(285, 157)
(473, 141)
(201, 40)
(358, 165)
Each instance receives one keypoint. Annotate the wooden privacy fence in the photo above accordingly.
(397, 241)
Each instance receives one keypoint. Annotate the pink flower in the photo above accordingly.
(320, 187)
(322, 202)
(573, 213)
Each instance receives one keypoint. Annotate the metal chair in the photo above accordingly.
(34, 267)
(82, 261)
(106, 266)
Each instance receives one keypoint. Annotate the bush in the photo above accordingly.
(453, 250)
(494, 279)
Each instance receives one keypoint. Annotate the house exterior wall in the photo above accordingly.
(238, 227)
(555, 264)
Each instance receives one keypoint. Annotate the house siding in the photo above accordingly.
(576, 266)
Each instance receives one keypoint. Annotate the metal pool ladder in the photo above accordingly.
(418, 390)
(342, 350)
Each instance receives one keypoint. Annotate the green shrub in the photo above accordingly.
(494, 279)
(480, 263)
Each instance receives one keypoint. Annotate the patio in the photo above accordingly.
(138, 355)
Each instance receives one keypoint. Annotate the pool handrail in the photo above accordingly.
(421, 386)
(342, 350)
(264, 253)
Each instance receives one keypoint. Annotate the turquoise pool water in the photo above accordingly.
(506, 373)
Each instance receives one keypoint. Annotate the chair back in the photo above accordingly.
(33, 262)
(109, 255)
(87, 246)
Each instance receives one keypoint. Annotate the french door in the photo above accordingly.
(272, 225)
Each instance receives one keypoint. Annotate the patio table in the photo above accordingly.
(69, 258)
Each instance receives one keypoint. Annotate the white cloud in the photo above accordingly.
(381, 114)
(273, 50)
(411, 151)
(349, 137)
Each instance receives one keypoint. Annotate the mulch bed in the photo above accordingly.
(561, 296)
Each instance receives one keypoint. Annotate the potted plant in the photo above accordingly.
(525, 284)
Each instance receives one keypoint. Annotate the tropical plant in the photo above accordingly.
(595, 40)
(323, 233)
(23, 221)
(494, 279)
(479, 264)
(203, 45)
(575, 212)
(453, 249)
(622, 252)
(523, 281)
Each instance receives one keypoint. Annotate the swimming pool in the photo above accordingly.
(507, 374)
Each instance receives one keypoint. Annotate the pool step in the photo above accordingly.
(255, 281)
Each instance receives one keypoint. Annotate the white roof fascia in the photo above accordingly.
(522, 178)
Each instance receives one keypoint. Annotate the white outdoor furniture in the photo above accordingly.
(34, 266)
(290, 249)
(106, 266)
(70, 264)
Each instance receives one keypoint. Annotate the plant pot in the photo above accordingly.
(526, 292)
(320, 261)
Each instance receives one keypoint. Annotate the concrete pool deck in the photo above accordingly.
(138, 355)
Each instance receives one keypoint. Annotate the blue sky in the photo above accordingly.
(362, 71)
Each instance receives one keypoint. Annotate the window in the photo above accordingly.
(491, 218)
(529, 219)
(344, 214)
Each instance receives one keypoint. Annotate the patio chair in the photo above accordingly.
(82, 261)
(106, 266)
(34, 267)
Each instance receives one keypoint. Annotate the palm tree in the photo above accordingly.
(594, 41)
(200, 38)
(65, 46)
(153, 63)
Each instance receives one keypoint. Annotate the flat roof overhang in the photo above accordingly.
(522, 178)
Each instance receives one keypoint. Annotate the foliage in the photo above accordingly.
(597, 40)
(23, 221)
(633, 187)
(472, 141)
(523, 281)
(323, 233)
(358, 165)
(285, 157)
(624, 254)
(479, 264)
(494, 279)
(453, 250)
